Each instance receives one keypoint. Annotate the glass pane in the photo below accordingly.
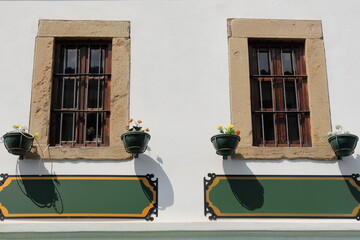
(70, 61)
(287, 63)
(96, 61)
(290, 92)
(264, 65)
(269, 127)
(266, 94)
(69, 93)
(67, 126)
(93, 121)
(95, 92)
(293, 127)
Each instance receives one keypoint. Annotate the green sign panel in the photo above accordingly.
(241, 196)
(78, 196)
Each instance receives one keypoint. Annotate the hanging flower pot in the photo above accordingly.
(135, 140)
(226, 142)
(19, 141)
(343, 143)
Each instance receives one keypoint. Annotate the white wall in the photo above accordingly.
(180, 89)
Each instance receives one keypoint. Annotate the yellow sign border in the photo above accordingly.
(143, 214)
(218, 213)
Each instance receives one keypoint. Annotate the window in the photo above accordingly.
(81, 93)
(278, 89)
(80, 89)
(279, 102)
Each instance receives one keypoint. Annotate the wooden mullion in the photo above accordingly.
(106, 96)
(82, 93)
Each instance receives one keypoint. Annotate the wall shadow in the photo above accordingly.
(249, 192)
(44, 192)
(348, 166)
(147, 165)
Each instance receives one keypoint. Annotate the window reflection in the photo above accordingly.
(264, 65)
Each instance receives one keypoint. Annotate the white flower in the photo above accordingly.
(338, 127)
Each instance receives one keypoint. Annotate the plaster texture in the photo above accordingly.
(178, 84)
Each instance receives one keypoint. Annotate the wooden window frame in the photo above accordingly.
(82, 78)
(278, 110)
(50, 31)
(240, 31)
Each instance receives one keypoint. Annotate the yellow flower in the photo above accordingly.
(219, 127)
(139, 121)
(230, 126)
(127, 126)
(130, 120)
(16, 126)
(36, 135)
(147, 129)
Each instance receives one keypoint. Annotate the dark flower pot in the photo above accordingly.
(225, 144)
(343, 144)
(18, 143)
(135, 142)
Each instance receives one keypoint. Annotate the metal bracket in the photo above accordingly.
(356, 176)
(207, 183)
(154, 183)
(358, 216)
(207, 208)
(210, 210)
(3, 177)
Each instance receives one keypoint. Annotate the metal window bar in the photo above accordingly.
(261, 102)
(87, 93)
(74, 98)
(62, 94)
(273, 101)
(98, 97)
(285, 100)
(296, 96)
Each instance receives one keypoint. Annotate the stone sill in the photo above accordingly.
(78, 153)
(274, 153)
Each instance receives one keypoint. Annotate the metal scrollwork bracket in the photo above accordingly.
(3, 177)
(154, 183)
(356, 176)
(207, 208)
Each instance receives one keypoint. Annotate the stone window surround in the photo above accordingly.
(239, 31)
(48, 31)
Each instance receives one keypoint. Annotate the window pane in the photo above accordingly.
(290, 92)
(70, 61)
(67, 127)
(96, 61)
(95, 92)
(93, 122)
(287, 63)
(266, 94)
(264, 65)
(269, 127)
(69, 93)
(293, 127)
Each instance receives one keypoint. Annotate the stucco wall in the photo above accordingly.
(179, 87)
